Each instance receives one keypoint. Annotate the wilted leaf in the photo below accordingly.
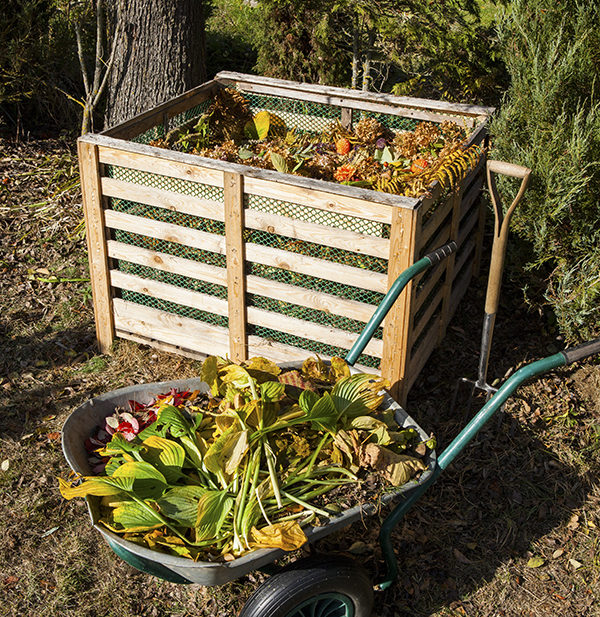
(209, 374)
(279, 163)
(245, 153)
(262, 122)
(398, 469)
(575, 564)
(227, 452)
(263, 365)
(358, 394)
(213, 508)
(536, 562)
(339, 368)
(287, 535)
(315, 368)
(5, 465)
(558, 553)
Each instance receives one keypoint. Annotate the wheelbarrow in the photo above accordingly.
(320, 585)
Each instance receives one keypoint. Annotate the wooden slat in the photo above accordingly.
(426, 316)
(311, 266)
(442, 237)
(163, 166)
(169, 200)
(433, 222)
(170, 293)
(302, 264)
(235, 250)
(165, 231)
(148, 119)
(460, 261)
(456, 202)
(467, 227)
(169, 328)
(255, 284)
(314, 198)
(321, 234)
(468, 198)
(272, 223)
(174, 349)
(396, 331)
(458, 291)
(167, 263)
(424, 291)
(96, 243)
(300, 89)
(420, 356)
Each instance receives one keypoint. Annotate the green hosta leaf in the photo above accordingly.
(323, 413)
(245, 153)
(181, 504)
(307, 400)
(213, 509)
(134, 517)
(227, 452)
(210, 375)
(166, 455)
(272, 391)
(358, 394)
(119, 445)
(147, 480)
(279, 163)
(176, 422)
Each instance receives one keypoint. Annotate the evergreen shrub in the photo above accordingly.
(550, 122)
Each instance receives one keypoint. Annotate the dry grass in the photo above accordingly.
(527, 488)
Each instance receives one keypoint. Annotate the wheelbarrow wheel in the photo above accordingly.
(320, 586)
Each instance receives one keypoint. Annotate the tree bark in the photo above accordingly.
(160, 54)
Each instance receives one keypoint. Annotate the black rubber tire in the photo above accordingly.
(310, 579)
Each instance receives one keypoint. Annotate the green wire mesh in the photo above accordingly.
(394, 123)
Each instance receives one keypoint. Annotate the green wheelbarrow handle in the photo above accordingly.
(459, 443)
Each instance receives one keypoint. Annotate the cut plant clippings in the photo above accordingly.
(248, 464)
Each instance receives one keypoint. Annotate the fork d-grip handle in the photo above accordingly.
(581, 351)
(502, 222)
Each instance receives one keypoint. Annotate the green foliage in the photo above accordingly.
(550, 121)
(37, 64)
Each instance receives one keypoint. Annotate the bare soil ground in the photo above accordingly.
(510, 530)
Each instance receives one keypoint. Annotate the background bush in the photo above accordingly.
(550, 121)
(38, 65)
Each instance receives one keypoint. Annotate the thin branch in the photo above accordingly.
(86, 83)
(99, 44)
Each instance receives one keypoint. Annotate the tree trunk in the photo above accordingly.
(160, 54)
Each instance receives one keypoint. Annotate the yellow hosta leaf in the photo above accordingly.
(99, 487)
(287, 535)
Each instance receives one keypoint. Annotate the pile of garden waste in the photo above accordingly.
(246, 465)
(369, 155)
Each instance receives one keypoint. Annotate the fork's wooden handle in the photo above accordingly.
(508, 169)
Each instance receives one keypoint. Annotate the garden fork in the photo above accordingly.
(492, 299)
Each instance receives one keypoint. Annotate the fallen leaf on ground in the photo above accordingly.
(536, 562)
(557, 553)
(575, 564)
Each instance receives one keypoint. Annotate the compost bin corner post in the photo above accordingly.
(397, 323)
(91, 190)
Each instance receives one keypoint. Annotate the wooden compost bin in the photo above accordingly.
(201, 256)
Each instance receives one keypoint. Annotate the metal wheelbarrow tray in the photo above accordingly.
(80, 425)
